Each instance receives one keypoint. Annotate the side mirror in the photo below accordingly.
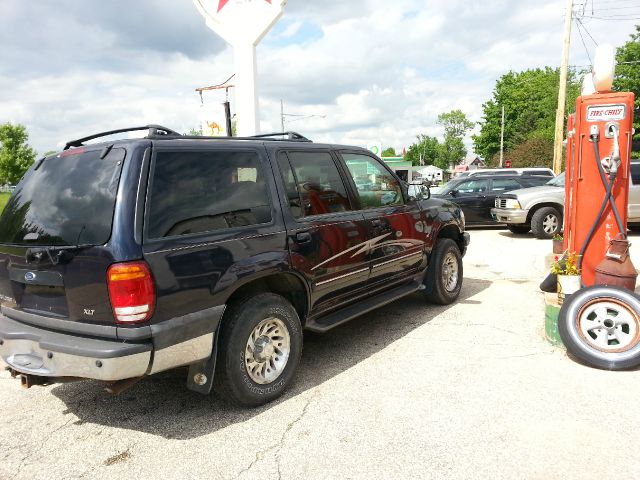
(418, 191)
(453, 193)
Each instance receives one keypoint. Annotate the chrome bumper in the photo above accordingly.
(509, 215)
(31, 350)
(34, 351)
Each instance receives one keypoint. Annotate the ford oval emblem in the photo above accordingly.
(29, 276)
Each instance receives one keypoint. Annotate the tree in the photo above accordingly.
(455, 126)
(530, 101)
(389, 152)
(627, 79)
(195, 132)
(534, 152)
(427, 151)
(16, 156)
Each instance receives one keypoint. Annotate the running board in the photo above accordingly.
(326, 323)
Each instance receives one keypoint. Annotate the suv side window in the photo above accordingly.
(316, 179)
(478, 185)
(376, 186)
(504, 185)
(194, 192)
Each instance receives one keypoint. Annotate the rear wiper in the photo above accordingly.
(55, 255)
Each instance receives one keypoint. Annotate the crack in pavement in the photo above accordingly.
(290, 427)
(21, 465)
(261, 453)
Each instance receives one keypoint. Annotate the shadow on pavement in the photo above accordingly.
(161, 404)
(509, 234)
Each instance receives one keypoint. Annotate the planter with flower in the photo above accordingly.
(558, 244)
(568, 273)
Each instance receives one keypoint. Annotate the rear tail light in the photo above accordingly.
(131, 291)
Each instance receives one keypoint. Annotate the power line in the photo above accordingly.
(587, 31)
(614, 18)
(583, 42)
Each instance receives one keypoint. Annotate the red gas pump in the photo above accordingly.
(597, 176)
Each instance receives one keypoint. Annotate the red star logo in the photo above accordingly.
(222, 3)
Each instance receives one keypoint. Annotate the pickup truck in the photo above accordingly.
(540, 209)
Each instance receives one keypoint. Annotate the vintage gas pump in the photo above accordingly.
(597, 172)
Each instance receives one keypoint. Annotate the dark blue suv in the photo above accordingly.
(122, 259)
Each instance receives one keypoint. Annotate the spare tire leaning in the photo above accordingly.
(601, 327)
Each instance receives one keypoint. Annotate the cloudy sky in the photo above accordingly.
(369, 70)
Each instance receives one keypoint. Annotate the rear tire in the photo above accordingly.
(443, 279)
(518, 229)
(260, 346)
(546, 222)
(601, 327)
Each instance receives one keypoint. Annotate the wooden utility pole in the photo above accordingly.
(562, 92)
(502, 139)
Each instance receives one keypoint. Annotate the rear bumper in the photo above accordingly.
(33, 350)
(509, 215)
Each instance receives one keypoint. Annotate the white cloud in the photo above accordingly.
(376, 70)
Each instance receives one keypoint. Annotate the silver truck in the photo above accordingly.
(537, 208)
(540, 209)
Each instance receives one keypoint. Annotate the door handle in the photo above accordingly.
(303, 237)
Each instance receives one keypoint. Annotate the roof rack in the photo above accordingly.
(158, 132)
(154, 131)
(290, 137)
(295, 136)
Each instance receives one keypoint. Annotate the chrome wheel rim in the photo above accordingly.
(550, 223)
(267, 351)
(609, 326)
(450, 272)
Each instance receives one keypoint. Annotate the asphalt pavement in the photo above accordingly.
(471, 390)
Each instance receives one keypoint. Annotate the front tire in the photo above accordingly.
(443, 279)
(546, 222)
(518, 229)
(601, 327)
(260, 347)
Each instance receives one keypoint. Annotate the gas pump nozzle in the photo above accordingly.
(614, 129)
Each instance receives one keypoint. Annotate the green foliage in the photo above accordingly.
(427, 151)
(16, 156)
(389, 152)
(534, 152)
(4, 196)
(194, 132)
(456, 125)
(530, 101)
(627, 78)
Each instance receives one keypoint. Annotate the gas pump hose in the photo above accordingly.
(608, 198)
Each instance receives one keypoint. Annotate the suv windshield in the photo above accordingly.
(67, 200)
(557, 181)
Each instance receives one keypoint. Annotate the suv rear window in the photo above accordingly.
(68, 200)
(193, 192)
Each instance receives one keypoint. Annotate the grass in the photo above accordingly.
(3, 200)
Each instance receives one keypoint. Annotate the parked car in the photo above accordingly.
(541, 209)
(126, 258)
(476, 195)
(508, 171)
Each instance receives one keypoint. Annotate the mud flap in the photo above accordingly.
(200, 376)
